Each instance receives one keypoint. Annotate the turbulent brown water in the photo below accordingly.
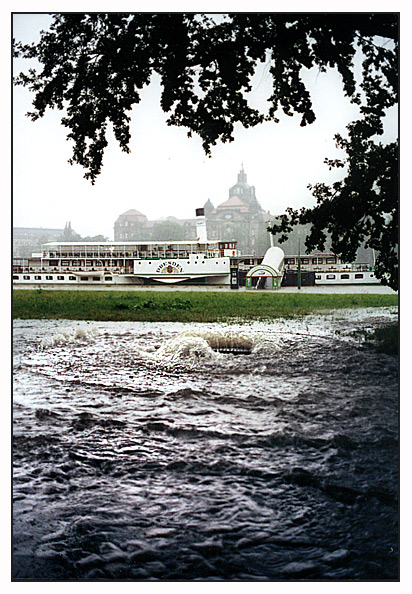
(140, 452)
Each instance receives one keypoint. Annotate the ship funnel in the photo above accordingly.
(201, 233)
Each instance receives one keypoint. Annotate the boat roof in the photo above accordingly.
(137, 242)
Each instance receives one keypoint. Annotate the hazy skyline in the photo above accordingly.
(166, 173)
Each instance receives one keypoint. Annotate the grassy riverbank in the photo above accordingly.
(174, 306)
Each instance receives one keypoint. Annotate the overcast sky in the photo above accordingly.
(166, 173)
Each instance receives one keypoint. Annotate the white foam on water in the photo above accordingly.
(190, 347)
(68, 336)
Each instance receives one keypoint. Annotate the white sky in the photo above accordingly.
(166, 173)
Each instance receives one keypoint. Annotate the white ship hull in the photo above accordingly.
(206, 270)
(346, 278)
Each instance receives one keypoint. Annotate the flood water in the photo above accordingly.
(142, 453)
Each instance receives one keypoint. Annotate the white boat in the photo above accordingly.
(130, 263)
(328, 269)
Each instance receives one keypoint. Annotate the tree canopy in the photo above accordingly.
(94, 67)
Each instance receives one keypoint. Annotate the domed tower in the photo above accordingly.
(244, 191)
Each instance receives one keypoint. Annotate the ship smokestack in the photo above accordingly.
(201, 232)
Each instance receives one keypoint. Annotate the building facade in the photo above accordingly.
(30, 239)
(132, 225)
(240, 218)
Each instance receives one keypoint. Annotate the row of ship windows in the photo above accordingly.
(194, 262)
(61, 278)
(331, 260)
(342, 276)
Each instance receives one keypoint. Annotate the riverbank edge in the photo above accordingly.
(175, 306)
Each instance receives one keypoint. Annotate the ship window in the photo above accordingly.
(371, 275)
(60, 278)
(291, 260)
(358, 275)
(37, 278)
(320, 260)
(96, 278)
(72, 278)
(330, 260)
(108, 278)
(84, 278)
(305, 260)
(49, 278)
(344, 275)
(318, 276)
(26, 277)
(330, 276)
(65, 262)
(15, 277)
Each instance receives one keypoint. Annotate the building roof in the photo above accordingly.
(233, 203)
(132, 215)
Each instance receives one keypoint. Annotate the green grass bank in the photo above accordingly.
(174, 306)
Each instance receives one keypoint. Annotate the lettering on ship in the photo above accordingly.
(169, 268)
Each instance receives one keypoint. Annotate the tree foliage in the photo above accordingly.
(165, 230)
(94, 67)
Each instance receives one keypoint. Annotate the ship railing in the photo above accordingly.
(338, 267)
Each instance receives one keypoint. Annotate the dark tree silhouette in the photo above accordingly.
(94, 67)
